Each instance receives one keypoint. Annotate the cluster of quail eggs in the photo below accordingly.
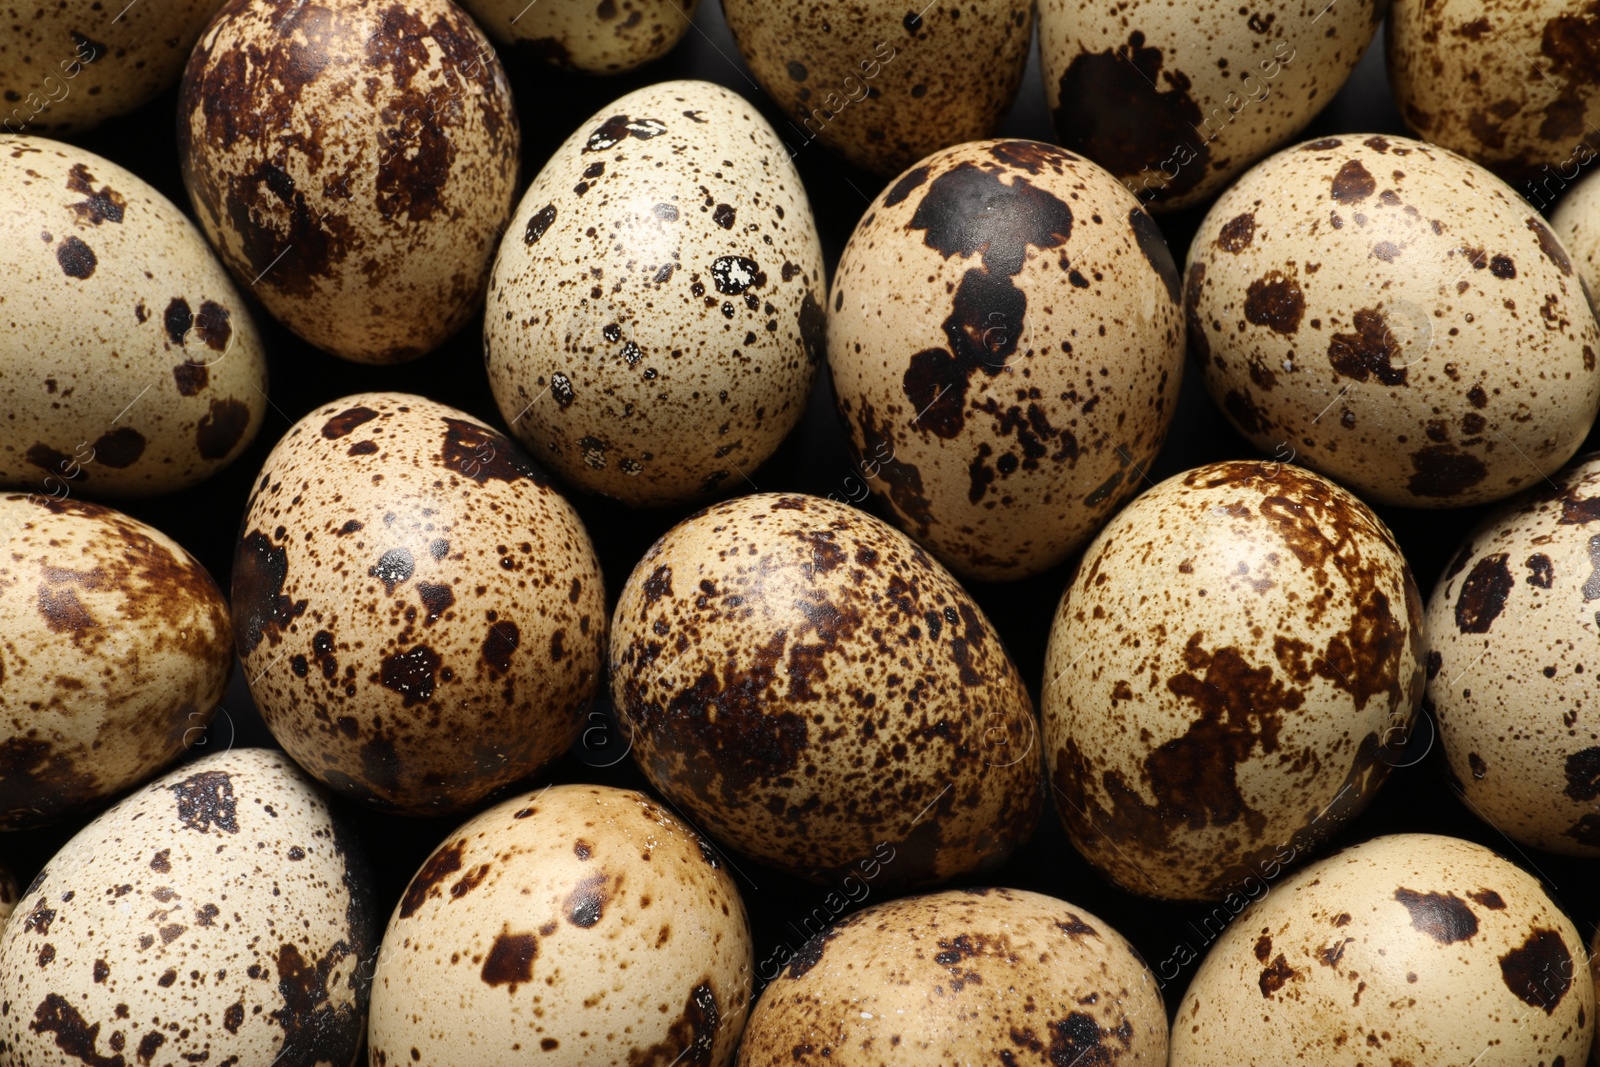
(622, 704)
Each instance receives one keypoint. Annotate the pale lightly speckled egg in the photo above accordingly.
(1412, 948)
(1513, 667)
(1176, 99)
(1396, 317)
(1234, 658)
(220, 915)
(594, 36)
(655, 314)
(974, 976)
(817, 692)
(1577, 223)
(354, 162)
(129, 365)
(115, 648)
(885, 83)
(1006, 342)
(574, 926)
(420, 613)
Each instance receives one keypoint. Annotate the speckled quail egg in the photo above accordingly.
(883, 84)
(1006, 342)
(219, 915)
(971, 976)
(817, 692)
(594, 36)
(69, 65)
(1412, 948)
(1512, 665)
(1576, 223)
(1177, 99)
(1394, 316)
(1513, 84)
(115, 648)
(353, 163)
(129, 364)
(8, 896)
(420, 614)
(655, 314)
(1236, 658)
(573, 926)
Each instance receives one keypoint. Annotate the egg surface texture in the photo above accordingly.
(1177, 99)
(1006, 342)
(880, 83)
(69, 65)
(576, 925)
(971, 976)
(655, 315)
(595, 36)
(218, 915)
(1408, 948)
(353, 163)
(1232, 656)
(1352, 302)
(8, 896)
(115, 648)
(817, 692)
(1577, 224)
(130, 365)
(1513, 85)
(1512, 665)
(421, 615)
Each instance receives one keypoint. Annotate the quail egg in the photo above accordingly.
(8, 896)
(1352, 302)
(1577, 224)
(420, 614)
(594, 36)
(1236, 656)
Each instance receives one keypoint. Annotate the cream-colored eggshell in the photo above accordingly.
(1177, 99)
(1394, 316)
(1233, 655)
(971, 976)
(1412, 948)
(817, 692)
(219, 915)
(577, 925)
(881, 83)
(69, 65)
(1576, 221)
(594, 36)
(1512, 665)
(1006, 342)
(129, 364)
(354, 162)
(655, 314)
(1513, 84)
(115, 648)
(420, 613)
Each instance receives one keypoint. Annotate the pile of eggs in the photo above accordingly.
(828, 631)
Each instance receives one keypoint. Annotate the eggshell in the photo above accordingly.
(219, 915)
(115, 648)
(971, 976)
(1177, 99)
(70, 65)
(604, 37)
(1412, 948)
(880, 83)
(1233, 655)
(1577, 223)
(8, 896)
(576, 925)
(1513, 85)
(1006, 342)
(130, 365)
(814, 690)
(421, 615)
(1353, 303)
(655, 314)
(353, 163)
(1512, 665)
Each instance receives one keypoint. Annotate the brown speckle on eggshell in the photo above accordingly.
(594, 36)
